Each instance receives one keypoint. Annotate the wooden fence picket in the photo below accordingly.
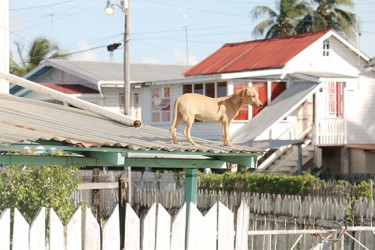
(38, 230)
(225, 228)
(243, 216)
(5, 229)
(210, 227)
(56, 232)
(111, 232)
(91, 236)
(149, 229)
(20, 232)
(132, 229)
(178, 230)
(163, 229)
(74, 231)
(195, 229)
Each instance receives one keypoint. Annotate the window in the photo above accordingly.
(161, 104)
(208, 89)
(335, 99)
(325, 48)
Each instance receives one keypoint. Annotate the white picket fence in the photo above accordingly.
(219, 229)
(215, 230)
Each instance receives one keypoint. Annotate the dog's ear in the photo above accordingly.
(241, 93)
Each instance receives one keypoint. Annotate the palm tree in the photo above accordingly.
(40, 49)
(283, 20)
(330, 14)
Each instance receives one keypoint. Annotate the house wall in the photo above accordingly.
(359, 110)
(362, 161)
(57, 76)
(341, 60)
(110, 99)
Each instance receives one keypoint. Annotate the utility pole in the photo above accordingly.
(125, 6)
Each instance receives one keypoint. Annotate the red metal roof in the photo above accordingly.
(254, 55)
(70, 88)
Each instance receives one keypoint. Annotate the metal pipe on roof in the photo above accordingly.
(71, 100)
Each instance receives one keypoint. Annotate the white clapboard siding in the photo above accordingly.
(38, 230)
(21, 229)
(5, 229)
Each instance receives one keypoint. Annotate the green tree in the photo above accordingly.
(40, 49)
(30, 187)
(330, 14)
(282, 20)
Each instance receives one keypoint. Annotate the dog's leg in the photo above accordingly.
(189, 124)
(225, 131)
(174, 128)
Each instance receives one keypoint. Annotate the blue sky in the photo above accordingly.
(156, 27)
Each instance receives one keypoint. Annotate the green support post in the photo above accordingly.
(191, 185)
(191, 195)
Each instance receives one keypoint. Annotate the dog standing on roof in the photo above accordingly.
(203, 108)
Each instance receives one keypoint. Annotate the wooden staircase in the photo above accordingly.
(286, 161)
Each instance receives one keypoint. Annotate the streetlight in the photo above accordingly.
(109, 10)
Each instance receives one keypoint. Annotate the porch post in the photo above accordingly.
(299, 163)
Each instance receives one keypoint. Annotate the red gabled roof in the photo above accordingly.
(70, 88)
(254, 55)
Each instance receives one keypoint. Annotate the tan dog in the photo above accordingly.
(194, 106)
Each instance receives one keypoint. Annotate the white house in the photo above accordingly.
(100, 83)
(317, 90)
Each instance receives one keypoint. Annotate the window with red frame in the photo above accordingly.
(335, 99)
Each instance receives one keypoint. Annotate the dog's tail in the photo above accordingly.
(175, 110)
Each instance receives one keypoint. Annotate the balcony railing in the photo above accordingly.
(330, 132)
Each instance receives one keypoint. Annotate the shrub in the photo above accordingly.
(258, 183)
(30, 187)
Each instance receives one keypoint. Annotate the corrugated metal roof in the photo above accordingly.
(254, 55)
(114, 71)
(23, 119)
(282, 106)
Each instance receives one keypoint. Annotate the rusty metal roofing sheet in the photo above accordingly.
(23, 120)
(254, 55)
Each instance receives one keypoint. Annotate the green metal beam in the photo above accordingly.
(173, 163)
(50, 160)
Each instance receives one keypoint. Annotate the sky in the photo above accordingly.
(161, 31)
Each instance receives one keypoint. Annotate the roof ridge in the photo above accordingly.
(279, 38)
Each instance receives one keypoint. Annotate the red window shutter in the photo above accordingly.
(276, 89)
(262, 89)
